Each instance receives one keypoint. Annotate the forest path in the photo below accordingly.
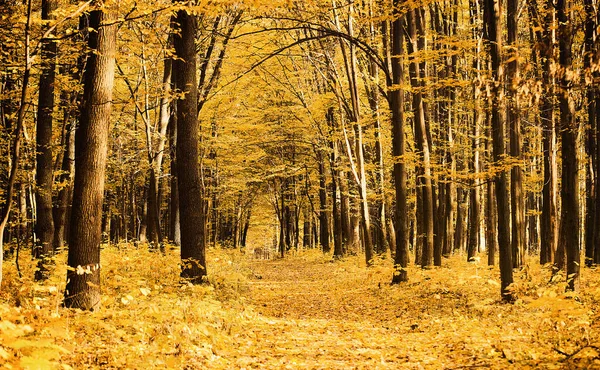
(317, 314)
(339, 315)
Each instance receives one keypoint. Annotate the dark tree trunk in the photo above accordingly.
(596, 230)
(494, 35)
(83, 277)
(545, 41)
(44, 224)
(189, 184)
(513, 118)
(459, 232)
(174, 224)
(65, 192)
(244, 236)
(417, 73)
(348, 239)
(570, 182)
(593, 94)
(323, 219)
(490, 226)
(398, 148)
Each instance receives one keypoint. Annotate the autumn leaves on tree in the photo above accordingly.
(404, 129)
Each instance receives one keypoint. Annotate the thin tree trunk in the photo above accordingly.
(570, 182)
(545, 40)
(174, 221)
(475, 203)
(323, 219)
(44, 225)
(490, 228)
(459, 233)
(398, 148)
(65, 192)
(345, 212)
(494, 34)
(513, 118)
(592, 191)
(416, 31)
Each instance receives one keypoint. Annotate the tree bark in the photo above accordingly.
(399, 147)
(593, 101)
(91, 145)
(513, 118)
(323, 219)
(416, 32)
(494, 34)
(475, 202)
(570, 181)
(174, 220)
(44, 225)
(189, 184)
(545, 41)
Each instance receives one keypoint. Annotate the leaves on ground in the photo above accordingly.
(305, 311)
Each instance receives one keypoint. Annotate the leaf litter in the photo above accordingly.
(302, 312)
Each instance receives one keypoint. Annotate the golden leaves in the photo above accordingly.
(304, 312)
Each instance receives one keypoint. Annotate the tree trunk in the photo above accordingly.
(570, 181)
(398, 148)
(593, 94)
(513, 118)
(494, 34)
(345, 212)
(475, 202)
(545, 40)
(66, 180)
(174, 224)
(323, 219)
(44, 225)
(189, 184)
(416, 31)
(91, 145)
(490, 228)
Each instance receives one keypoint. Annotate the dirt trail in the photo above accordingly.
(338, 315)
(312, 313)
(315, 316)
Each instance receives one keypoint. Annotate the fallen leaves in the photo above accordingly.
(303, 312)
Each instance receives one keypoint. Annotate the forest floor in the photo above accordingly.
(302, 312)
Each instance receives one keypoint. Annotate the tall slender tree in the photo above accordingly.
(514, 122)
(44, 225)
(396, 101)
(570, 182)
(494, 34)
(417, 68)
(188, 138)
